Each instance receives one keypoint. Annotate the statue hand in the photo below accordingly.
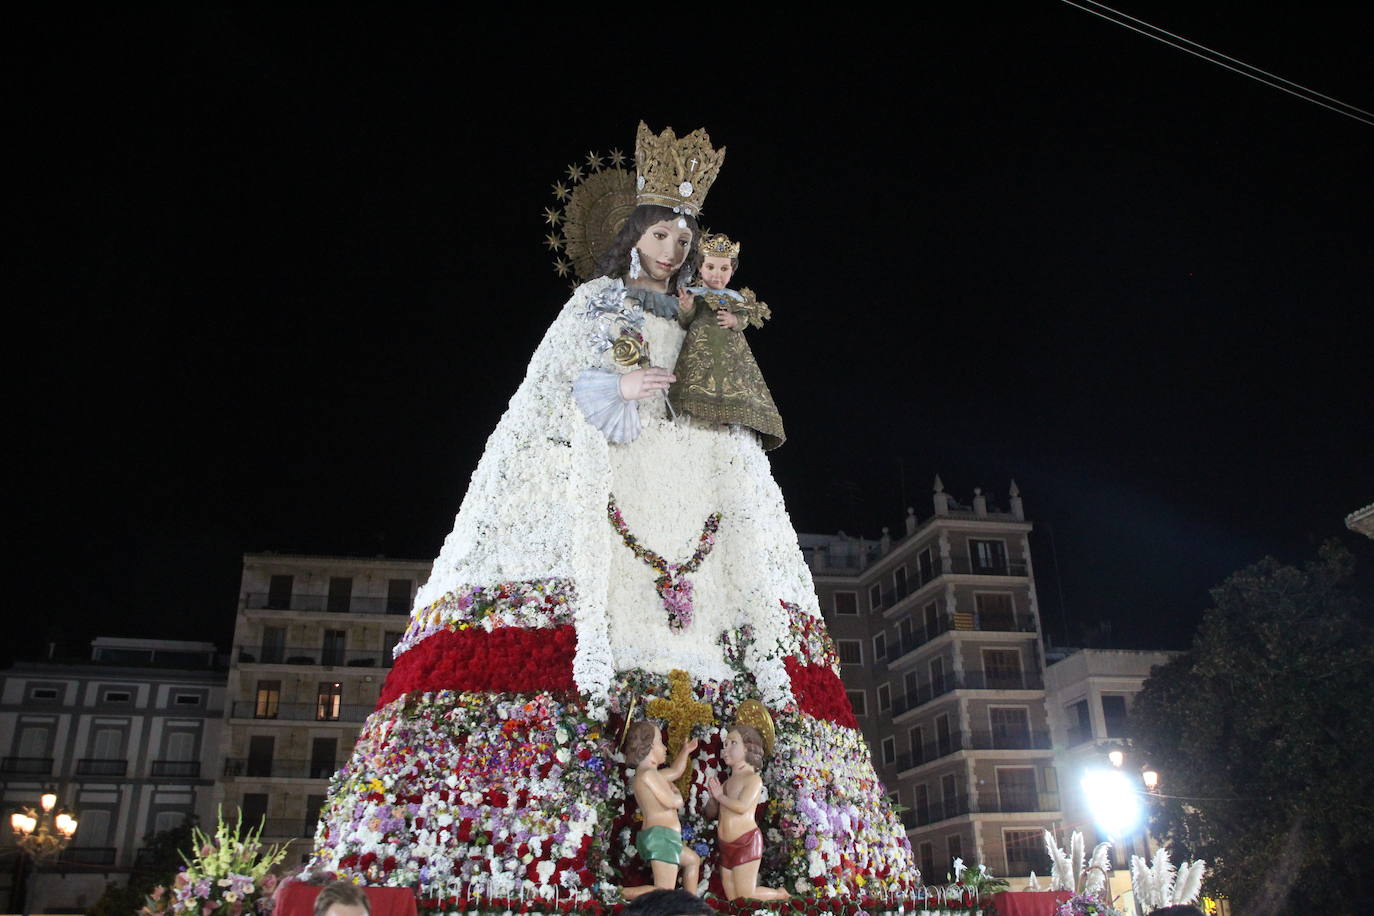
(644, 383)
(713, 784)
(727, 319)
(684, 299)
(691, 746)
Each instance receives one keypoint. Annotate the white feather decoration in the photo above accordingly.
(1189, 883)
(1076, 851)
(1034, 883)
(1096, 877)
(1164, 876)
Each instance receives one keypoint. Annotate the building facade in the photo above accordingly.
(313, 643)
(938, 634)
(129, 740)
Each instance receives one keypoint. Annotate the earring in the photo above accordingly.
(634, 263)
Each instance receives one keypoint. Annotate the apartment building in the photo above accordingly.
(938, 634)
(313, 643)
(128, 739)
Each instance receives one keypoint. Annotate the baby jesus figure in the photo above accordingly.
(718, 379)
(738, 836)
(660, 838)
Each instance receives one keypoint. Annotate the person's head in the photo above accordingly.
(342, 898)
(644, 743)
(719, 260)
(666, 243)
(669, 903)
(743, 745)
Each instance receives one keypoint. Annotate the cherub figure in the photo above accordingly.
(717, 378)
(738, 835)
(660, 838)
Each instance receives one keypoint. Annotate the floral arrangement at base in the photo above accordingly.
(795, 906)
(228, 874)
(1087, 905)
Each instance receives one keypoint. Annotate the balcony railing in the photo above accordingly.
(299, 712)
(939, 810)
(355, 604)
(964, 565)
(977, 741)
(253, 767)
(288, 827)
(315, 655)
(186, 769)
(87, 855)
(26, 766)
(100, 766)
(986, 623)
(1015, 803)
(967, 680)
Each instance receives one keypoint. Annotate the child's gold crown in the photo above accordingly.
(675, 172)
(718, 245)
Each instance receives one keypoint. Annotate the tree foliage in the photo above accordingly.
(159, 860)
(1263, 734)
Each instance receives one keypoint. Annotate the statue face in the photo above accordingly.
(662, 249)
(716, 272)
(732, 752)
(657, 752)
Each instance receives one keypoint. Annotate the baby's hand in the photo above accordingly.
(684, 299)
(727, 319)
(691, 746)
(713, 784)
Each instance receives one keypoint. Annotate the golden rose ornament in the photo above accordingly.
(630, 349)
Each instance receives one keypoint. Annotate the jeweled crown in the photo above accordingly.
(675, 172)
(718, 245)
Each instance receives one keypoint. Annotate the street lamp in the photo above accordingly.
(1151, 779)
(41, 835)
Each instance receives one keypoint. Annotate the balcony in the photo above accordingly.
(315, 655)
(977, 741)
(939, 810)
(968, 680)
(182, 769)
(355, 604)
(87, 855)
(253, 767)
(984, 623)
(100, 766)
(1019, 803)
(960, 564)
(298, 712)
(26, 766)
(288, 828)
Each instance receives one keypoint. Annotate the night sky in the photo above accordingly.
(275, 275)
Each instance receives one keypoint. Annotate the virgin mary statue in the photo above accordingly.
(610, 562)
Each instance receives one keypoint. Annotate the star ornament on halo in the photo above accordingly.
(554, 241)
(617, 158)
(575, 172)
(552, 216)
(594, 162)
(561, 191)
(563, 266)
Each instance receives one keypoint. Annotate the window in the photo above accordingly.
(33, 741)
(323, 752)
(186, 699)
(398, 596)
(181, 746)
(859, 700)
(313, 804)
(107, 744)
(906, 631)
(875, 597)
(389, 640)
(884, 697)
(889, 750)
(1016, 789)
(43, 694)
(1026, 852)
(846, 603)
(260, 750)
(932, 620)
(927, 859)
(1080, 723)
(925, 565)
(917, 739)
(988, 556)
(938, 682)
(340, 594)
(1003, 669)
(268, 701)
(994, 611)
(880, 647)
(273, 645)
(116, 696)
(922, 805)
(955, 844)
(329, 701)
(1051, 776)
(334, 641)
(1114, 715)
(899, 580)
(851, 651)
(168, 820)
(944, 740)
(254, 809)
(279, 592)
(93, 827)
(1010, 726)
(911, 687)
(949, 795)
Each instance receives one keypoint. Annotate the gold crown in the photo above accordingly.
(718, 245)
(675, 172)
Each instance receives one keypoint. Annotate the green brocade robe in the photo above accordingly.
(718, 379)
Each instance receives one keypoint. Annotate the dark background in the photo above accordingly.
(273, 275)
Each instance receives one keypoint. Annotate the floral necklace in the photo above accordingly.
(672, 585)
